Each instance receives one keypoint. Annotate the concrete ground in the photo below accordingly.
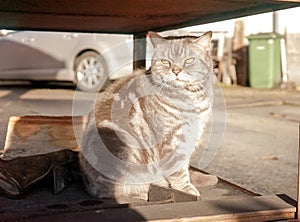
(260, 146)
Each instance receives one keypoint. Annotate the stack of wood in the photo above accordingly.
(232, 57)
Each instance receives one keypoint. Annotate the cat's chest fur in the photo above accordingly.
(147, 117)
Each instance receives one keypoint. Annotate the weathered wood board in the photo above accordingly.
(262, 208)
(220, 200)
(131, 16)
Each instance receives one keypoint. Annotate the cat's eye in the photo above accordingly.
(165, 62)
(189, 61)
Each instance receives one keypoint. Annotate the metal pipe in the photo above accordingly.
(275, 22)
(139, 51)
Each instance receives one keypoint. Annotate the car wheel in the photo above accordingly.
(90, 72)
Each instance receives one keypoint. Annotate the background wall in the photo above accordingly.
(283, 22)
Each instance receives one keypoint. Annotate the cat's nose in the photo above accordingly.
(176, 70)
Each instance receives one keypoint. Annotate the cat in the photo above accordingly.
(145, 127)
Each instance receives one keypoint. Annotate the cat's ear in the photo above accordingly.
(155, 39)
(204, 40)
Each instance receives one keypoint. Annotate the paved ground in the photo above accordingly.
(260, 145)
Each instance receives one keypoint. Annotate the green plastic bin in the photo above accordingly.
(264, 60)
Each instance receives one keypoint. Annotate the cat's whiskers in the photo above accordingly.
(158, 86)
(160, 83)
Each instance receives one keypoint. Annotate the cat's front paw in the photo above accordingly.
(191, 189)
(187, 188)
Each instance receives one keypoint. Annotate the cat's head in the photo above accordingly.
(181, 61)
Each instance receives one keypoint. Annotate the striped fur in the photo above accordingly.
(144, 128)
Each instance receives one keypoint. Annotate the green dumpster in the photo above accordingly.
(264, 60)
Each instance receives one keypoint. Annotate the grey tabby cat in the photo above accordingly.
(144, 128)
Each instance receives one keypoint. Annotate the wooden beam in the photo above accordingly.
(126, 17)
(262, 208)
(246, 11)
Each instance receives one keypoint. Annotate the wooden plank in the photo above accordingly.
(231, 14)
(40, 201)
(263, 208)
(36, 135)
(129, 16)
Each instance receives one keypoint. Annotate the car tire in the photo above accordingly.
(91, 73)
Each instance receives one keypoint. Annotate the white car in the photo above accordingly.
(86, 59)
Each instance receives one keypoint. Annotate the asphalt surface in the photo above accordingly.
(260, 146)
(259, 150)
